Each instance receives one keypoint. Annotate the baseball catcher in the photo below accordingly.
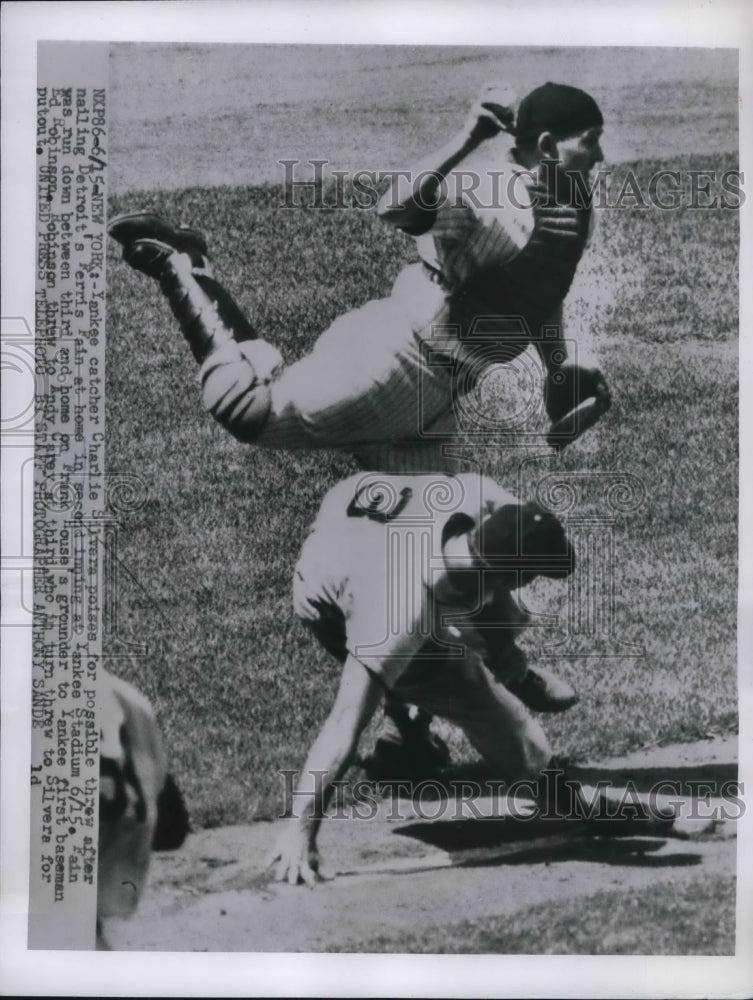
(504, 254)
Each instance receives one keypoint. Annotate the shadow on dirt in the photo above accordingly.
(633, 853)
(715, 780)
(478, 842)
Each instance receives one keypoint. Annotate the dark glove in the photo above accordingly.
(566, 387)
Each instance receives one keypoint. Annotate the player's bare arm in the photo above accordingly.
(413, 196)
(296, 857)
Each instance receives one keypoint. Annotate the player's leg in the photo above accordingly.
(177, 259)
(406, 744)
(496, 723)
(406, 749)
(493, 632)
(462, 691)
(363, 383)
(209, 319)
(538, 688)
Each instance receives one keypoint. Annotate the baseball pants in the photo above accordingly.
(369, 386)
(462, 691)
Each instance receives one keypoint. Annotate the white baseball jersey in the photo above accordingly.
(506, 254)
(377, 552)
(380, 380)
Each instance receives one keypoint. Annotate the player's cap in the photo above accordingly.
(524, 538)
(557, 108)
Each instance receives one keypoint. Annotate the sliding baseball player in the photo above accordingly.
(448, 546)
(380, 377)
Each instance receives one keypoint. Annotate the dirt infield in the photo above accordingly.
(214, 894)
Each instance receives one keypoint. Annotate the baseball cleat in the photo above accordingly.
(542, 691)
(176, 257)
(129, 228)
(570, 427)
(148, 256)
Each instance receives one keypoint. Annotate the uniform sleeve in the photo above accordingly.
(482, 226)
(470, 244)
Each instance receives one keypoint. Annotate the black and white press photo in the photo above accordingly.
(386, 533)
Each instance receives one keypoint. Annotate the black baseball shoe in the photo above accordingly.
(155, 248)
(148, 241)
(147, 226)
(542, 691)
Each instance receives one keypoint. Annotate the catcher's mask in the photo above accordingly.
(525, 541)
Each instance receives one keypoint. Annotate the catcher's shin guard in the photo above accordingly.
(207, 315)
(176, 257)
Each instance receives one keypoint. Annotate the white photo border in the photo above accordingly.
(692, 23)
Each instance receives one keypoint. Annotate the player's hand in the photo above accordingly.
(492, 112)
(295, 858)
(567, 386)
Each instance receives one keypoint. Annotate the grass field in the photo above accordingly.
(206, 563)
(647, 922)
(185, 115)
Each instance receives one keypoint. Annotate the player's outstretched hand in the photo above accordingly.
(492, 112)
(295, 858)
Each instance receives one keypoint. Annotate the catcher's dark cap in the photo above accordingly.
(557, 108)
(525, 537)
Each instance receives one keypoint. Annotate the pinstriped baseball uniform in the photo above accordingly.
(379, 381)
